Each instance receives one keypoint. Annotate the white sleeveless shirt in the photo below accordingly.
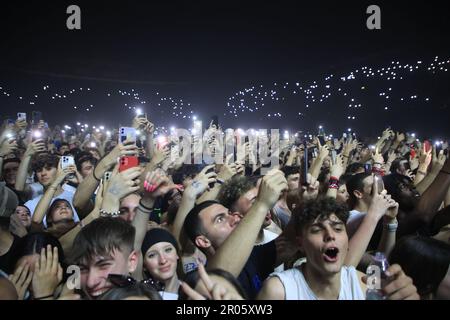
(296, 287)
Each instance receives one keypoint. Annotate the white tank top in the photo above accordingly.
(296, 287)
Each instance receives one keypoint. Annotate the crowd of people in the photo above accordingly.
(99, 227)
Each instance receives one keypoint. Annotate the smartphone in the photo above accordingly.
(126, 133)
(37, 135)
(21, 116)
(68, 161)
(367, 168)
(36, 116)
(321, 140)
(412, 153)
(211, 185)
(304, 176)
(107, 176)
(142, 115)
(128, 162)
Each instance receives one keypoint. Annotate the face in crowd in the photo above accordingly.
(128, 207)
(95, 271)
(24, 215)
(325, 244)
(161, 261)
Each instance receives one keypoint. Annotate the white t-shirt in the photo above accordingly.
(354, 220)
(268, 236)
(168, 295)
(296, 287)
(67, 194)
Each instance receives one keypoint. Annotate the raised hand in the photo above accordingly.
(400, 137)
(401, 287)
(380, 201)
(21, 279)
(311, 190)
(212, 290)
(271, 187)
(377, 157)
(35, 147)
(48, 273)
(228, 170)
(160, 156)
(157, 184)
(121, 150)
(7, 147)
(201, 182)
(337, 169)
(123, 183)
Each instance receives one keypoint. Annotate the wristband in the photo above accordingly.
(392, 227)
(333, 183)
(93, 174)
(377, 171)
(145, 207)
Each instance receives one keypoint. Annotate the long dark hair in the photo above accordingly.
(425, 260)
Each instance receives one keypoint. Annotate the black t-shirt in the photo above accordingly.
(259, 266)
(9, 259)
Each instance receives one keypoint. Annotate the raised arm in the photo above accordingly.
(45, 201)
(240, 243)
(358, 243)
(82, 199)
(335, 173)
(317, 164)
(22, 173)
(198, 185)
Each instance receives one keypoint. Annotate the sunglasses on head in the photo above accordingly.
(123, 281)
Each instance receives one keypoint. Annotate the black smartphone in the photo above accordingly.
(211, 185)
(367, 168)
(36, 116)
(322, 140)
(304, 174)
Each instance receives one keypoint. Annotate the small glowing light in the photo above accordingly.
(349, 129)
(138, 111)
(78, 124)
(413, 135)
(194, 118)
(97, 130)
(102, 128)
(93, 145)
(37, 134)
(108, 133)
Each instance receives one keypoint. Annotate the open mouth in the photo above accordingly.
(331, 254)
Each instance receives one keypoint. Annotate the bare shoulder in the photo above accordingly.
(273, 289)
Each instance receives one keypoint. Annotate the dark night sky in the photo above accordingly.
(203, 52)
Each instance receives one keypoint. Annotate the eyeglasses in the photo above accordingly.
(123, 281)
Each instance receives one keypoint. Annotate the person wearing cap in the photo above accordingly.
(161, 259)
(8, 241)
